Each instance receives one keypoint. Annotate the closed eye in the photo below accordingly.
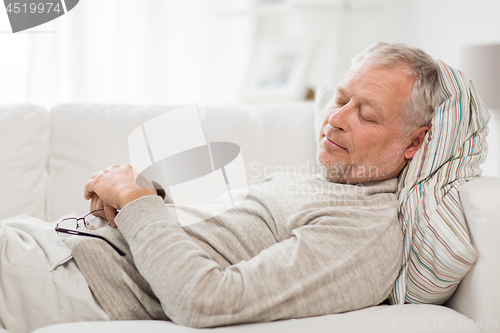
(340, 102)
(365, 118)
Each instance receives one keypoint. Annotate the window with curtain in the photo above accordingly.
(128, 51)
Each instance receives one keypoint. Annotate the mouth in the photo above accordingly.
(332, 144)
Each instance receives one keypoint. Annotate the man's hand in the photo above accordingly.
(113, 188)
(96, 204)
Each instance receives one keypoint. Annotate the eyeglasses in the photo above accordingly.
(76, 222)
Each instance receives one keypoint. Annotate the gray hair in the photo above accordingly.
(426, 96)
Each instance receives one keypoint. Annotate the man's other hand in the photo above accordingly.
(113, 188)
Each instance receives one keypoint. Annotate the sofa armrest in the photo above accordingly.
(478, 294)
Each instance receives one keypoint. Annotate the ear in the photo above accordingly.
(417, 138)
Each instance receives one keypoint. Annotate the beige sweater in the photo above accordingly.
(297, 246)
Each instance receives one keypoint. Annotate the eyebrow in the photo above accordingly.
(364, 100)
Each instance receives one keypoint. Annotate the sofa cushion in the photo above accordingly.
(272, 138)
(478, 294)
(24, 133)
(89, 138)
(86, 139)
(384, 318)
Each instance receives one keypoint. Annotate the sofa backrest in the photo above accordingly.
(88, 138)
(24, 147)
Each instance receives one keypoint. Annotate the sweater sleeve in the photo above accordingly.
(327, 267)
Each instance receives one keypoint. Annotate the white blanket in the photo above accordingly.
(40, 283)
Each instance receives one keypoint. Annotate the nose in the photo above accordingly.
(339, 117)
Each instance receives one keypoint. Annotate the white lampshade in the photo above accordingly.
(482, 65)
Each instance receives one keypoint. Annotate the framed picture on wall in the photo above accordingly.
(277, 72)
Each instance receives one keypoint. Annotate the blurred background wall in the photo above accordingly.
(202, 51)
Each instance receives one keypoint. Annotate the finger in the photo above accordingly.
(88, 191)
(94, 202)
(110, 214)
(96, 206)
(100, 205)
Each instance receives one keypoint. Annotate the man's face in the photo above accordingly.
(361, 136)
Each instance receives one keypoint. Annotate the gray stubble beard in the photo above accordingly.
(350, 173)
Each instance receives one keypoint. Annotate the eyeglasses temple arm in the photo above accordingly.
(74, 232)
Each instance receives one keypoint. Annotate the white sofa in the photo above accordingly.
(47, 156)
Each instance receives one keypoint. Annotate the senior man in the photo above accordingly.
(297, 246)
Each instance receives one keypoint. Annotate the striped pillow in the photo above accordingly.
(438, 250)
